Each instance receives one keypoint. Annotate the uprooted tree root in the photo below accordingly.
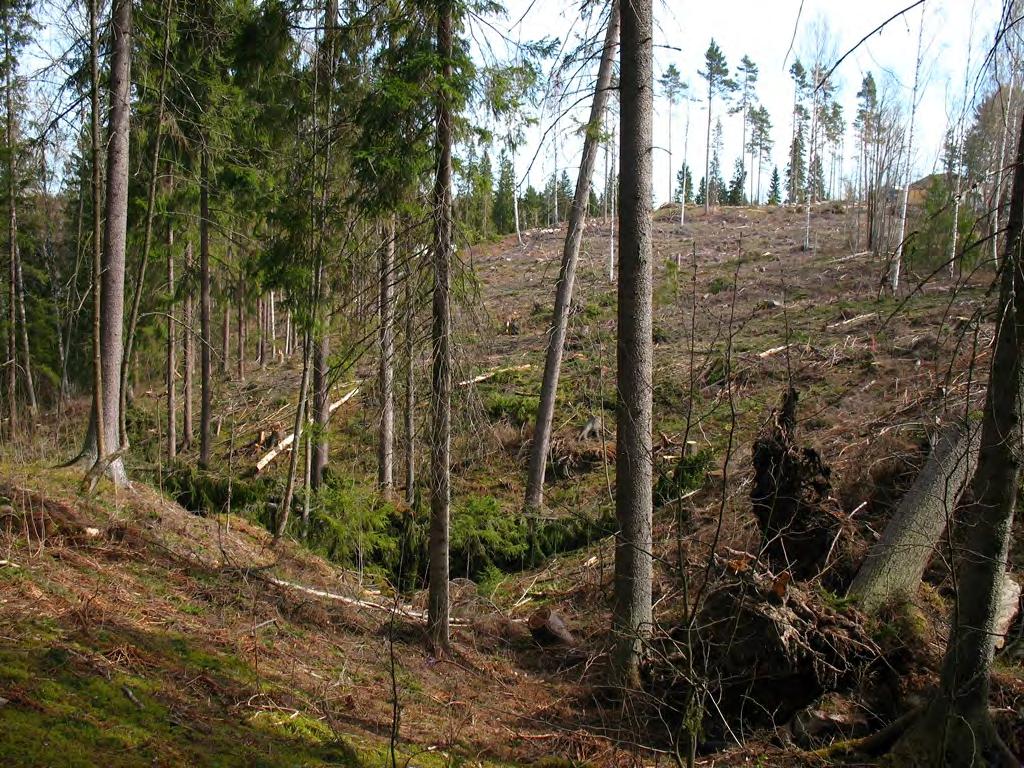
(802, 523)
(764, 647)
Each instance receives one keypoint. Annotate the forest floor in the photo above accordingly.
(133, 631)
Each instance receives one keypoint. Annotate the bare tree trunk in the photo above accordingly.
(115, 236)
(897, 259)
(240, 356)
(632, 612)
(26, 351)
(273, 328)
(147, 240)
(205, 330)
(515, 200)
(261, 329)
(321, 409)
(410, 391)
(385, 366)
(188, 352)
(956, 728)
(998, 192)
(895, 564)
(441, 352)
(541, 443)
(225, 336)
(172, 363)
(12, 235)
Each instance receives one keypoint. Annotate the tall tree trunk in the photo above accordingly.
(515, 199)
(225, 336)
(541, 443)
(172, 362)
(410, 391)
(188, 352)
(240, 354)
(385, 364)
(273, 328)
(147, 240)
(998, 192)
(205, 331)
(897, 259)
(632, 612)
(115, 236)
(707, 153)
(16, 293)
(321, 409)
(956, 728)
(26, 351)
(441, 352)
(895, 564)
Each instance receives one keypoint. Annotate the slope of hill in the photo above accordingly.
(135, 631)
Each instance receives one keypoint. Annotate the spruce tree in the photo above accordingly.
(775, 188)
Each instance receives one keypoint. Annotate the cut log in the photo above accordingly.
(895, 564)
(286, 441)
(548, 628)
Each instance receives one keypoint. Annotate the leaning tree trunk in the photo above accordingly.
(115, 237)
(956, 728)
(441, 365)
(385, 364)
(541, 443)
(895, 564)
(632, 612)
(281, 524)
(205, 331)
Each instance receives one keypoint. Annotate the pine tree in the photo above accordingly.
(716, 75)
(775, 188)
(746, 79)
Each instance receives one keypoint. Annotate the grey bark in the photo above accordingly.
(957, 729)
(632, 612)
(205, 331)
(321, 412)
(410, 392)
(385, 363)
(115, 236)
(438, 602)
(895, 564)
(240, 354)
(188, 352)
(172, 362)
(26, 351)
(12, 244)
(147, 240)
(897, 259)
(541, 443)
(300, 421)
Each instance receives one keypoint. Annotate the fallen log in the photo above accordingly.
(286, 441)
(895, 564)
